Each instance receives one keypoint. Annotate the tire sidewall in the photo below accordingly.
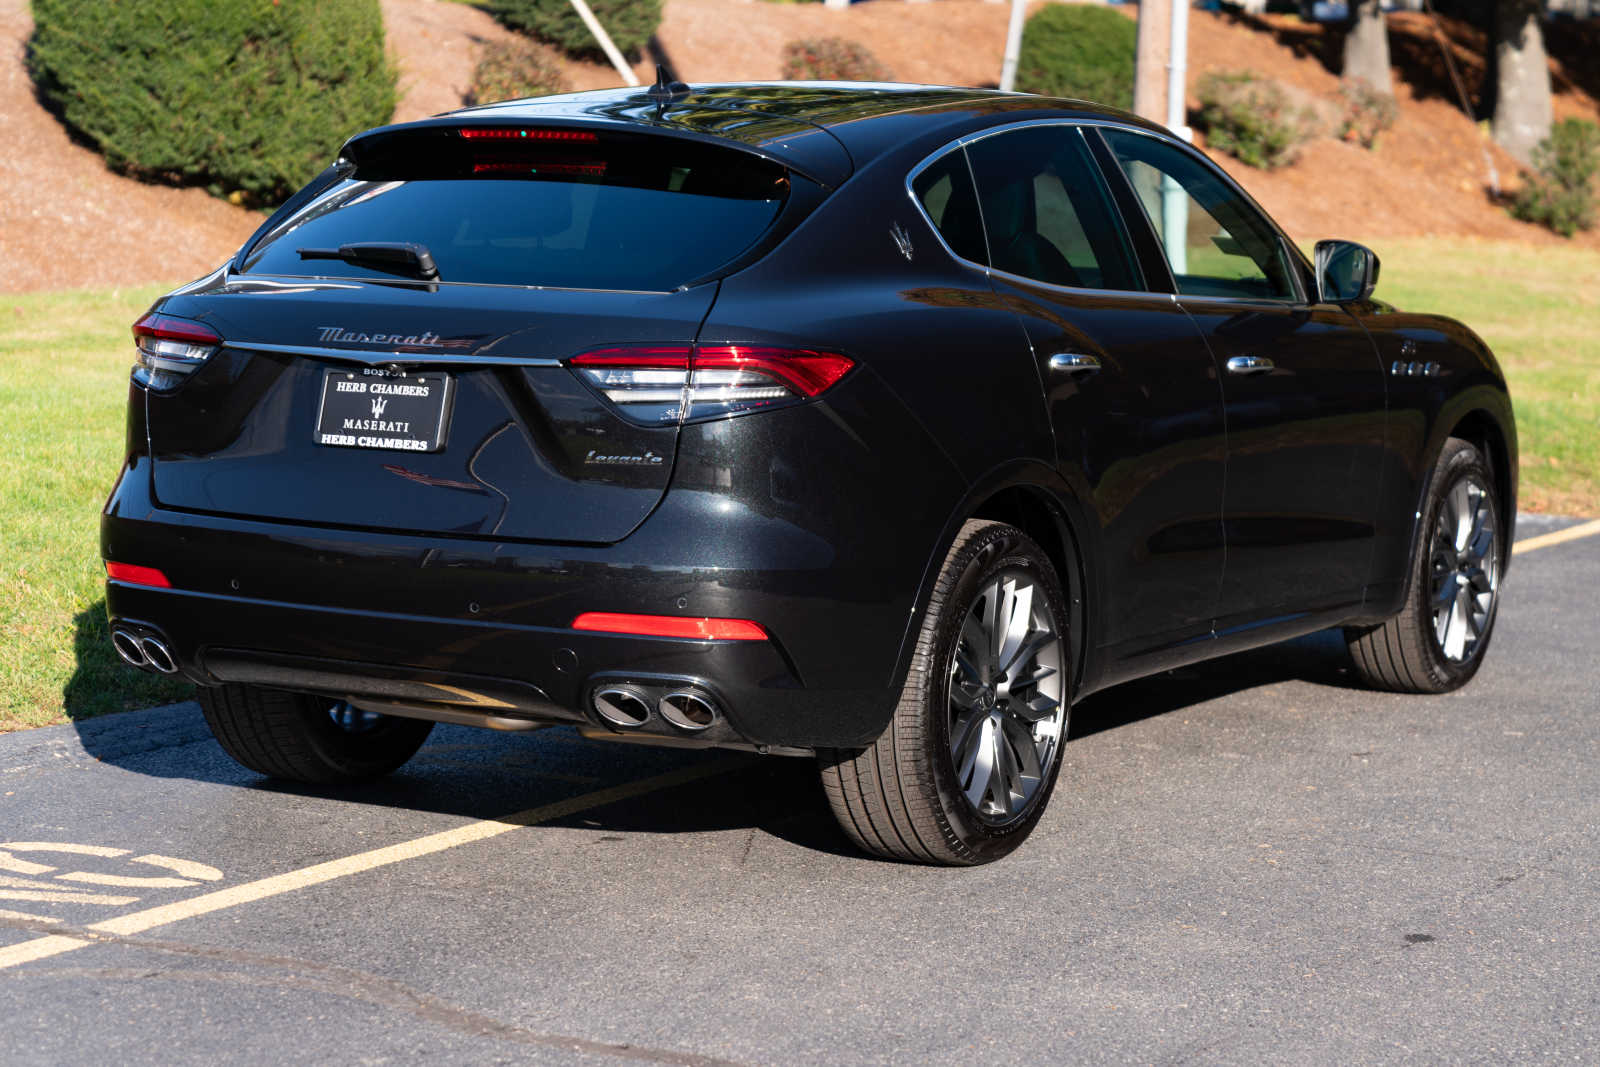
(993, 550)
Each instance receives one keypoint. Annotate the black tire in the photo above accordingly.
(294, 736)
(1406, 653)
(900, 797)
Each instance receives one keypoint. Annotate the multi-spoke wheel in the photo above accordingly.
(1437, 642)
(1463, 568)
(965, 768)
(306, 738)
(1006, 711)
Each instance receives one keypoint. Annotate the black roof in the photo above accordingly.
(822, 129)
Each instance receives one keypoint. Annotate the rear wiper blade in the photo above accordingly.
(392, 257)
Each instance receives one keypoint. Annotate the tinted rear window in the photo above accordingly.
(634, 213)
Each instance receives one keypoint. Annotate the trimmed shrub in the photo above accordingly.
(1253, 119)
(1078, 50)
(510, 70)
(832, 59)
(1562, 195)
(629, 22)
(248, 97)
(1367, 114)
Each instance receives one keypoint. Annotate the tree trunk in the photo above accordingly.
(1366, 48)
(1151, 52)
(1522, 84)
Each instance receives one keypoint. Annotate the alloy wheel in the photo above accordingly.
(1006, 716)
(1464, 565)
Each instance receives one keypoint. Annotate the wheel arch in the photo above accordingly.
(1485, 433)
(1034, 498)
(1487, 426)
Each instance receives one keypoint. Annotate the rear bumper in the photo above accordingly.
(486, 625)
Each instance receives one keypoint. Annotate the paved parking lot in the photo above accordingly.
(1247, 860)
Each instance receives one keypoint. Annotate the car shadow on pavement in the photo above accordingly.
(483, 774)
(1320, 659)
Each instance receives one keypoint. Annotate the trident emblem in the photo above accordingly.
(378, 404)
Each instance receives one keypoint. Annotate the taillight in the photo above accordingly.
(658, 384)
(170, 349)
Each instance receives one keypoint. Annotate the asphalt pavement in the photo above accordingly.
(1248, 860)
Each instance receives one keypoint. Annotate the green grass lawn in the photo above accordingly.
(1538, 307)
(64, 361)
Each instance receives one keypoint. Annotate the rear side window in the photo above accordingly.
(587, 211)
(1047, 212)
(944, 189)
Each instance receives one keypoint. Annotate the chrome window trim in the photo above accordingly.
(960, 143)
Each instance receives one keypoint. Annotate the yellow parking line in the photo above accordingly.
(137, 922)
(1556, 537)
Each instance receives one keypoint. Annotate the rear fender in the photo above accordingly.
(996, 495)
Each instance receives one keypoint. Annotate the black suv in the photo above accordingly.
(876, 424)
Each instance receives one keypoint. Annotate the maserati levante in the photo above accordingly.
(874, 424)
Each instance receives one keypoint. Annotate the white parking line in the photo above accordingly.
(137, 922)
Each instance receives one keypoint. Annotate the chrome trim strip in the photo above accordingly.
(375, 358)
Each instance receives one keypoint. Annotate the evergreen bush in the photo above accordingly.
(629, 23)
(1082, 51)
(1367, 114)
(1561, 195)
(829, 59)
(510, 70)
(248, 97)
(1253, 119)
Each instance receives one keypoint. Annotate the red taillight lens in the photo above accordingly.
(661, 384)
(171, 348)
(134, 574)
(171, 328)
(525, 133)
(670, 626)
(802, 370)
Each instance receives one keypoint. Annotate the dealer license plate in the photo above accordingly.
(371, 408)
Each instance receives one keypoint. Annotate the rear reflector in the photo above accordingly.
(660, 384)
(134, 574)
(522, 133)
(670, 626)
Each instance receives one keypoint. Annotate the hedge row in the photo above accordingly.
(248, 96)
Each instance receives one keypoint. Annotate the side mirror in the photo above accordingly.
(1346, 272)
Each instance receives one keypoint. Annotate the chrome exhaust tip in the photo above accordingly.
(689, 709)
(128, 650)
(624, 708)
(158, 655)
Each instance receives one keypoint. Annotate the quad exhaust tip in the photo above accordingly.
(689, 709)
(128, 650)
(630, 707)
(145, 651)
(158, 655)
(622, 707)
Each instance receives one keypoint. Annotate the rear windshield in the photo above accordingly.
(608, 213)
